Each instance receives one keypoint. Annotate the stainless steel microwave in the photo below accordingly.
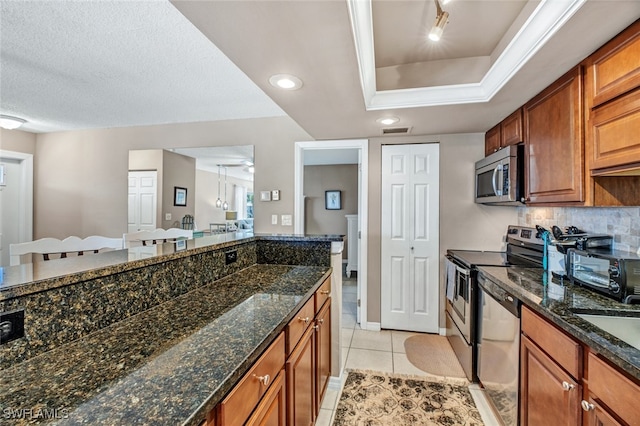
(500, 177)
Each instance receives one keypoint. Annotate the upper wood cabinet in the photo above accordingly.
(612, 88)
(554, 142)
(507, 132)
(614, 69)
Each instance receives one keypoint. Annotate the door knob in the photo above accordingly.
(587, 406)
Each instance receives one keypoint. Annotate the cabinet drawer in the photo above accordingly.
(614, 130)
(558, 345)
(239, 404)
(613, 389)
(322, 294)
(299, 323)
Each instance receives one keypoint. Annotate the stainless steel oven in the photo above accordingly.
(459, 317)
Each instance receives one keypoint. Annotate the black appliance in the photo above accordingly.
(613, 273)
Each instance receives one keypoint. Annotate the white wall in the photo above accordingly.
(207, 194)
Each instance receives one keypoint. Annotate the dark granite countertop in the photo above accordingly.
(168, 365)
(38, 276)
(560, 302)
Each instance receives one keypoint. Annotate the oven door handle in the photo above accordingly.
(494, 180)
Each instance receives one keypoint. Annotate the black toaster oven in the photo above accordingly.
(613, 273)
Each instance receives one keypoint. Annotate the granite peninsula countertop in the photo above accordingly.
(560, 302)
(34, 277)
(168, 365)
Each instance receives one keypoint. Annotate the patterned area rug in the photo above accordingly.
(372, 398)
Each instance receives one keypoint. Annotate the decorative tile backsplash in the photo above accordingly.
(621, 222)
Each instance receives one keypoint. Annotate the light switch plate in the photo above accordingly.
(167, 216)
(286, 220)
(265, 195)
(275, 195)
(274, 219)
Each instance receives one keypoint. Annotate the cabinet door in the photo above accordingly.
(548, 395)
(272, 409)
(512, 129)
(554, 142)
(301, 382)
(598, 415)
(323, 352)
(614, 68)
(492, 140)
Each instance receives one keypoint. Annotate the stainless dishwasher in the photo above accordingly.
(499, 349)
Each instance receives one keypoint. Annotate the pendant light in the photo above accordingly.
(225, 205)
(218, 201)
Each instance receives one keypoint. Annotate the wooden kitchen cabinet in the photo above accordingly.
(554, 142)
(506, 133)
(549, 395)
(550, 374)
(323, 352)
(301, 382)
(612, 88)
(272, 409)
(238, 405)
(611, 395)
(492, 140)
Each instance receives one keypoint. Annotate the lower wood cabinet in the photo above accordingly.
(287, 383)
(563, 383)
(549, 395)
(272, 409)
(301, 382)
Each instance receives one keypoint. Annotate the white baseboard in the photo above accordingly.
(373, 326)
(335, 383)
(443, 332)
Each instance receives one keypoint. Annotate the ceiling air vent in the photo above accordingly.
(396, 131)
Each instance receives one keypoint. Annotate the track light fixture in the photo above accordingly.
(442, 18)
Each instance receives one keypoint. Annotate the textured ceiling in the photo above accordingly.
(98, 64)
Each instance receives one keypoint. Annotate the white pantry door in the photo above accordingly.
(143, 201)
(410, 206)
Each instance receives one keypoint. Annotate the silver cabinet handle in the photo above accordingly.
(587, 406)
(263, 379)
(567, 386)
(305, 320)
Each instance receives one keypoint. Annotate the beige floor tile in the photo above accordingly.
(374, 340)
(364, 359)
(401, 365)
(398, 338)
(346, 336)
(348, 320)
(345, 353)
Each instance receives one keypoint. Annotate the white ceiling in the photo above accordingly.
(94, 64)
(98, 64)
(236, 159)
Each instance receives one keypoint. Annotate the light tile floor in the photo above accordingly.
(379, 351)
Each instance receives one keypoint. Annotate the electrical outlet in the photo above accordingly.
(274, 219)
(286, 220)
(167, 216)
(230, 256)
(11, 326)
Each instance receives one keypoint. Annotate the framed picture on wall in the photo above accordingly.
(332, 200)
(179, 196)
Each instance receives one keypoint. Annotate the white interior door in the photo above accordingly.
(410, 205)
(143, 201)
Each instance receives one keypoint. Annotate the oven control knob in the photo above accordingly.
(614, 286)
(614, 272)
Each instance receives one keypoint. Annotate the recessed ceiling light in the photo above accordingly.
(388, 120)
(285, 81)
(10, 123)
